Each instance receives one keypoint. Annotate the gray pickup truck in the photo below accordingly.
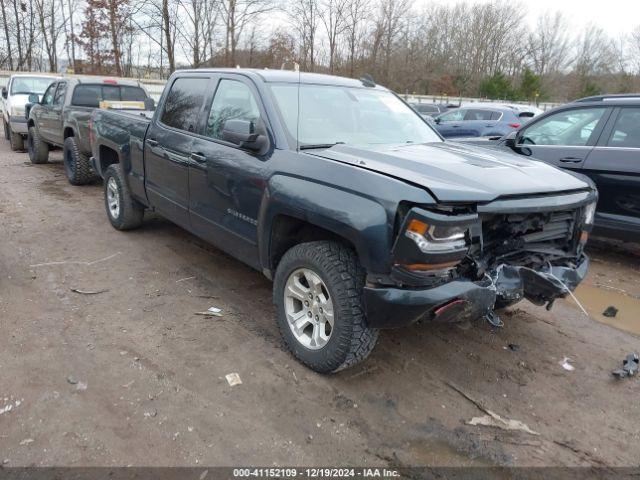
(364, 217)
(61, 119)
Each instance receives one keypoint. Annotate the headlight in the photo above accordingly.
(17, 110)
(437, 238)
(589, 213)
(431, 242)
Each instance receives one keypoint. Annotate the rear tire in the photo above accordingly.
(76, 165)
(124, 212)
(16, 140)
(38, 150)
(323, 274)
(6, 129)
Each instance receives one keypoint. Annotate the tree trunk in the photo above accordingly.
(113, 14)
(6, 33)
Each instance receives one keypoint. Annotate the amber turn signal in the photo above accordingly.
(418, 227)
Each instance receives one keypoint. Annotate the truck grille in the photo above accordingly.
(511, 235)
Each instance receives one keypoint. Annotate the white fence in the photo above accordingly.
(460, 100)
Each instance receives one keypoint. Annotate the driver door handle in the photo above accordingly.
(571, 160)
(152, 143)
(198, 157)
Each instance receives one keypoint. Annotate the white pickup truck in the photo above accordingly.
(14, 98)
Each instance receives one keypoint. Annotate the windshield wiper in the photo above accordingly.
(311, 146)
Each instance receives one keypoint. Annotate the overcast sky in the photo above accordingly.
(615, 16)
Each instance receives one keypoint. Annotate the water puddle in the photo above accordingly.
(596, 299)
(440, 453)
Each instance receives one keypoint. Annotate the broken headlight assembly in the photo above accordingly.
(430, 242)
(436, 238)
(589, 214)
(588, 217)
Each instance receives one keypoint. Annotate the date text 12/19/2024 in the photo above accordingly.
(324, 472)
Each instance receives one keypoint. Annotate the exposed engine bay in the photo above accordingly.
(474, 262)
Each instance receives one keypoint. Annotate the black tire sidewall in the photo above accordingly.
(330, 357)
(31, 148)
(68, 153)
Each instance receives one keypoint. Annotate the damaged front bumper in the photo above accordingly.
(463, 299)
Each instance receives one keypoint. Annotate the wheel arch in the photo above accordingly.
(294, 211)
(106, 156)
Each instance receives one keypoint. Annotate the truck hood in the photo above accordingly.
(454, 172)
(20, 100)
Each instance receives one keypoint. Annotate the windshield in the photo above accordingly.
(332, 114)
(26, 85)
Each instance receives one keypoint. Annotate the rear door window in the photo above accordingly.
(87, 96)
(453, 116)
(626, 131)
(477, 114)
(58, 99)
(183, 103)
(47, 98)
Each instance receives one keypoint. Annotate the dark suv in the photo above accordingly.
(600, 138)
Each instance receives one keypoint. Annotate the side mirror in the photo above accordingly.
(4, 92)
(437, 120)
(149, 104)
(243, 134)
(33, 98)
(510, 139)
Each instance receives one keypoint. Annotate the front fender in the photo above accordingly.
(362, 221)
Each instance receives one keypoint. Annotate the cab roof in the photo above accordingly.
(288, 76)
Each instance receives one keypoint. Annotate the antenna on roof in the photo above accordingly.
(367, 80)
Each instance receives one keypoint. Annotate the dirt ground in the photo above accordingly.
(131, 376)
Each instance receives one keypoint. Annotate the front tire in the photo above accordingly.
(16, 140)
(124, 212)
(76, 165)
(318, 293)
(38, 150)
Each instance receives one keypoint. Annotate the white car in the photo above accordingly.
(14, 98)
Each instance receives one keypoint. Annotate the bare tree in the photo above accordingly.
(333, 17)
(236, 15)
(356, 18)
(197, 28)
(392, 16)
(304, 16)
(549, 44)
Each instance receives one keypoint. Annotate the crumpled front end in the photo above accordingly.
(457, 264)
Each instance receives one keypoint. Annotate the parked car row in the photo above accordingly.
(54, 112)
(335, 189)
(598, 137)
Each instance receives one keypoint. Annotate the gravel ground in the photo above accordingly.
(131, 376)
